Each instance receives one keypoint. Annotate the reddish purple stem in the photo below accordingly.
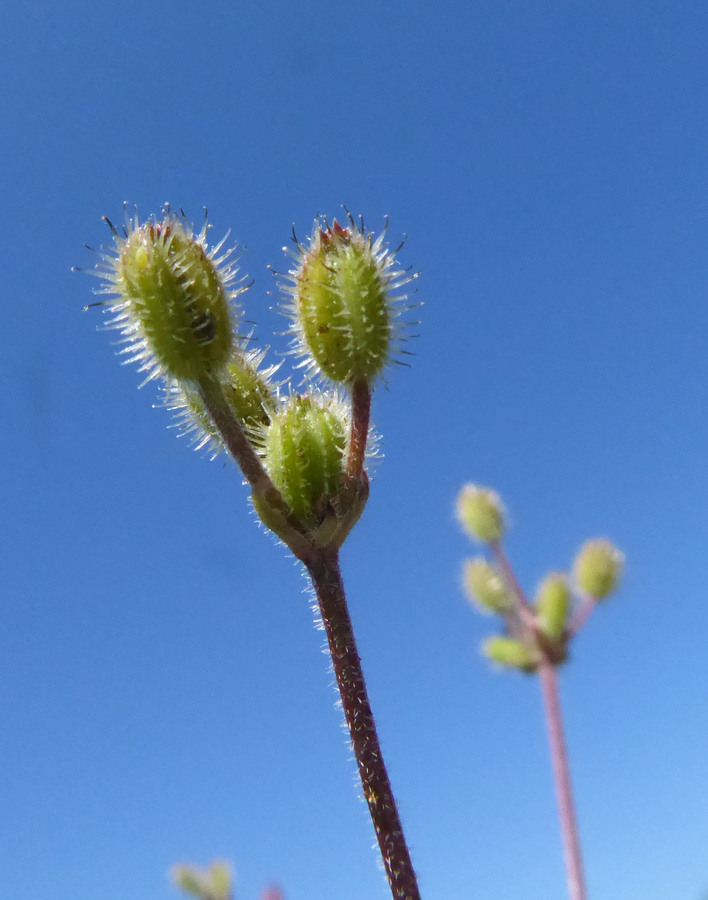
(361, 412)
(326, 577)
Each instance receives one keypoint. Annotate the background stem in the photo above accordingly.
(327, 580)
(554, 723)
(561, 775)
(583, 613)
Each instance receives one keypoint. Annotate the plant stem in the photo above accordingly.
(561, 775)
(523, 607)
(556, 738)
(583, 613)
(282, 520)
(361, 412)
(234, 437)
(327, 580)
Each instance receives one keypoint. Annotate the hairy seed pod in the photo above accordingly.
(213, 883)
(511, 654)
(553, 604)
(344, 302)
(304, 448)
(172, 299)
(481, 513)
(485, 587)
(248, 391)
(598, 567)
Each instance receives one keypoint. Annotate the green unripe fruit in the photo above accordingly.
(248, 393)
(598, 567)
(481, 513)
(510, 653)
(304, 449)
(212, 883)
(343, 302)
(247, 390)
(173, 300)
(221, 880)
(189, 880)
(176, 295)
(553, 604)
(485, 587)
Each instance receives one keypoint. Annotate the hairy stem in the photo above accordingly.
(361, 411)
(561, 775)
(279, 516)
(233, 435)
(327, 580)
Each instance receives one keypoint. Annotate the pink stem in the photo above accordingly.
(583, 613)
(556, 738)
(561, 775)
(523, 606)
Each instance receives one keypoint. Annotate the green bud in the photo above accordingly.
(304, 454)
(221, 879)
(510, 653)
(172, 299)
(598, 567)
(212, 883)
(189, 879)
(343, 302)
(485, 586)
(481, 513)
(248, 391)
(553, 604)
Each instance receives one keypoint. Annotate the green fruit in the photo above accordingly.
(304, 451)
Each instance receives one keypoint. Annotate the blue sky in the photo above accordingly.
(164, 695)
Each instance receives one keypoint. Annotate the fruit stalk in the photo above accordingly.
(561, 774)
(327, 580)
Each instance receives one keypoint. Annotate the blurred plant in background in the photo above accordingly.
(215, 882)
(537, 634)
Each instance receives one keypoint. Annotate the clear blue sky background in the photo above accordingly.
(163, 693)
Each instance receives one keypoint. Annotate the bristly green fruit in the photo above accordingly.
(485, 587)
(213, 883)
(304, 453)
(553, 604)
(481, 513)
(248, 391)
(172, 298)
(344, 301)
(598, 568)
(511, 654)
